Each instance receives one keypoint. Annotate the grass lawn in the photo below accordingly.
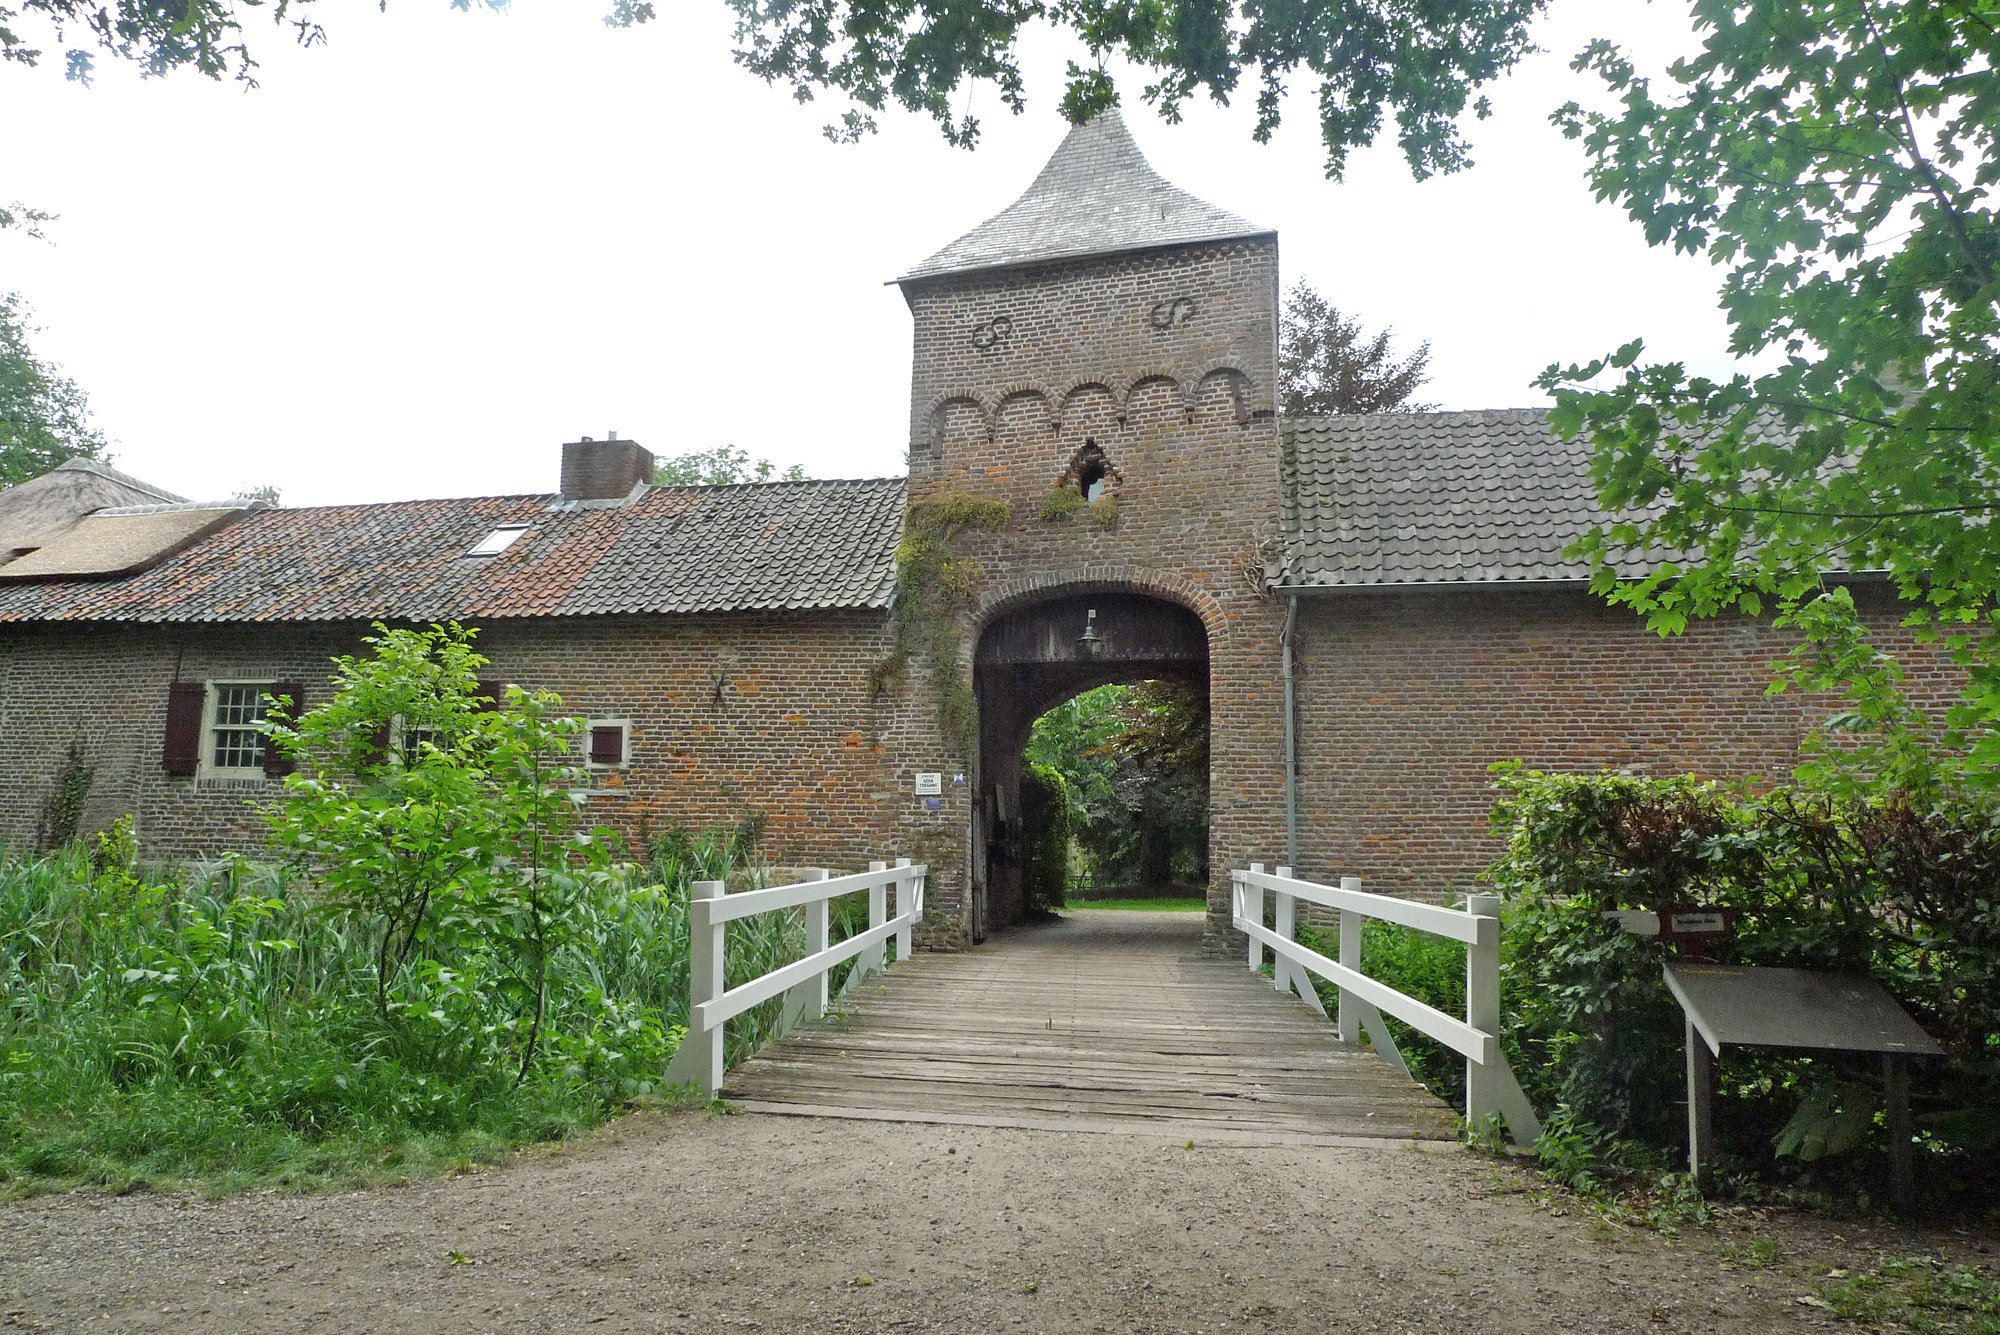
(1142, 905)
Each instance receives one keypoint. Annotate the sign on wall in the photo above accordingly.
(929, 783)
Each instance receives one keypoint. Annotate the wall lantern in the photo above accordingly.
(1090, 641)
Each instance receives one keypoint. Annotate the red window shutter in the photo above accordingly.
(276, 763)
(492, 696)
(607, 746)
(378, 747)
(182, 751)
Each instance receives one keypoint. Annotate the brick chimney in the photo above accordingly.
(604, 470)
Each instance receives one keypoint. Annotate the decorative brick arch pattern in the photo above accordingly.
(1233, 382)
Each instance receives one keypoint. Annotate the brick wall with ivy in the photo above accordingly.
(1123, 409)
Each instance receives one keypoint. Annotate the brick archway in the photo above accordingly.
(1039, 643)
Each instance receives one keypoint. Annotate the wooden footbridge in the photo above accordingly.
(1103, 1021)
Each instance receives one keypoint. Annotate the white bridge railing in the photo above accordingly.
(711, 910)
(1490, 1086)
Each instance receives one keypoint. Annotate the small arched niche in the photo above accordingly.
(1091, 471)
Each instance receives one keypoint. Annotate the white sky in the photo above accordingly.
(416, 260)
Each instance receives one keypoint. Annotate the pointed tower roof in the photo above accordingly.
(1096, 196)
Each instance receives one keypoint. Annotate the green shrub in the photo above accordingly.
(1899, 886)
(1047, 820)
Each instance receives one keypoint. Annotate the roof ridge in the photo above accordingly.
(557, 496)
(1428, 415)
(777, 482)
(85, 464)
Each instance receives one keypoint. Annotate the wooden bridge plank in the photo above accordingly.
(1107, 1020)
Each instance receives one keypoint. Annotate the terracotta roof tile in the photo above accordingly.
(762, 546)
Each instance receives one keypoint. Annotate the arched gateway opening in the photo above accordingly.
(1030, 659)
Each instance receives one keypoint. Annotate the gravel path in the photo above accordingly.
(692, 1222)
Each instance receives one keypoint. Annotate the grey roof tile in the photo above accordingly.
(1416, 498)
(1097, 195)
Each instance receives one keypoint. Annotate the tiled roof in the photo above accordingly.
(1097, 195)
(763, 546)
(1422, 498)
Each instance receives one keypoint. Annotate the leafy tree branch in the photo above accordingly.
(1835, 160)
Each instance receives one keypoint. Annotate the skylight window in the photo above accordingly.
(499, 540)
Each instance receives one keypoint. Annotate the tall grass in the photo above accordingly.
(214, 1023)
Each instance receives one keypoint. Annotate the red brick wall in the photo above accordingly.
(795, 735)
(1405, 699)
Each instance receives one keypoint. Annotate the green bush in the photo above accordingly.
(221, 1024)
(1047, 821)
(1902, 887)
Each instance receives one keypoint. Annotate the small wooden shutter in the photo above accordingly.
(182, 751)
(495, 696)
(378, 747)
(607, 745)
(276, 763)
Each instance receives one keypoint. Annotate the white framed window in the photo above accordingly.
(497, 540)
(607, 743)
(232, 748)
(409, 741)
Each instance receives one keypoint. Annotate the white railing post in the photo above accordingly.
(906, 889)
(1284, 923)
(1348, 1016)
(816, 935)
(1253, 912)
(878, 913)
(706, 977)
(1482, 1011)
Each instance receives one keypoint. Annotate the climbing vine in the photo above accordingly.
(1063, 500)
(62, 811)
(933, 584)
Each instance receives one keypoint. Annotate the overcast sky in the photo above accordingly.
(418, 259)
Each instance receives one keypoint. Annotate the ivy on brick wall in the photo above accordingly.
(62, 811)
(933, 585)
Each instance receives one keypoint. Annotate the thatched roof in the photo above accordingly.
(115, 543)
(39, 511)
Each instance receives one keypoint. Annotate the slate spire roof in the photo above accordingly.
(1097, 195)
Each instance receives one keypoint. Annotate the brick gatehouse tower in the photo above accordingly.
(1110, 336)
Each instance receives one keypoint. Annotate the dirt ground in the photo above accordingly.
(694, 1222)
